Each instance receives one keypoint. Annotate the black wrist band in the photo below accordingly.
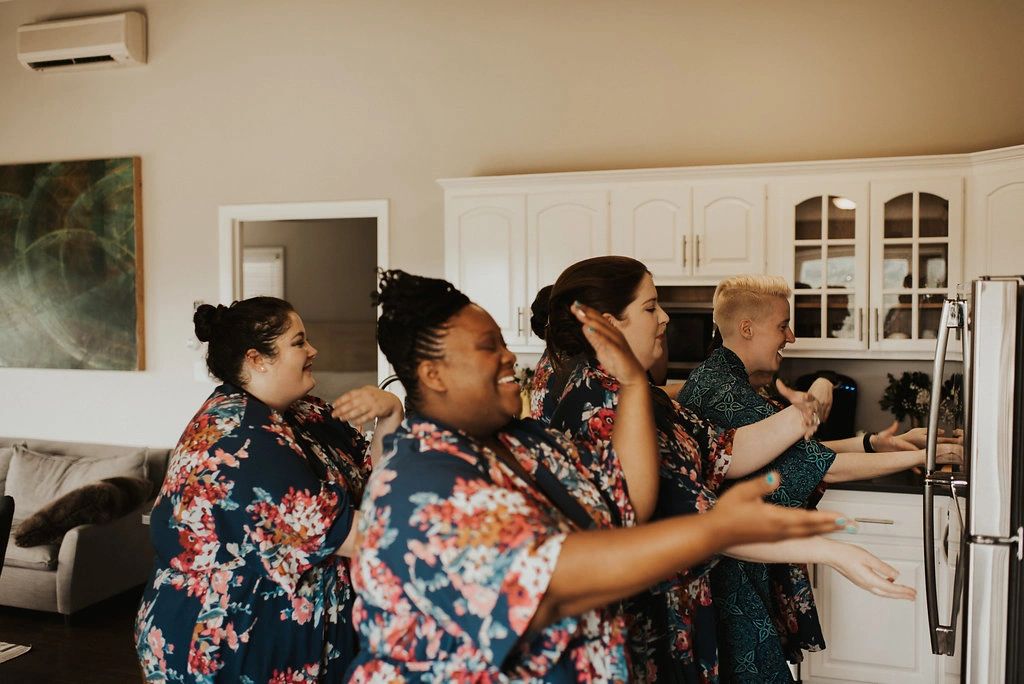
(867, 443)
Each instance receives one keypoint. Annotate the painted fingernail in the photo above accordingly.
(770, 478)
(590, 328)
(841, 522)
(851, 529)
(575, 303)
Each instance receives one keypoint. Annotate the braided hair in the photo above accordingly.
(413, 322)
(231, 331)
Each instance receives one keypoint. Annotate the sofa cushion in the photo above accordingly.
(42, 557)
(35, 479)
(96, 503)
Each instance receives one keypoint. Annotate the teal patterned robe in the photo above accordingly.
(766, 613)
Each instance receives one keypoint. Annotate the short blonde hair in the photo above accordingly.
(746, 296)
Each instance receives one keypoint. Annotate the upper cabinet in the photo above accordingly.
(690, 233)
(563, 228)
(824, 226)
(916, 259)
(485, 256)
(871, 247)
(728, 229)
(995, 219)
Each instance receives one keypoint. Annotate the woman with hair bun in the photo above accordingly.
(257, 516)
(673, 629)
(540, 396)
(486, 555)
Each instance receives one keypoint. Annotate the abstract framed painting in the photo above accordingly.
(71, 265)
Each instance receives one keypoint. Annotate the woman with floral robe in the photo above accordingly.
(255, 511)
(486, 554)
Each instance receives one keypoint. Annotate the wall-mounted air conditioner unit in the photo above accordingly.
(85, 43)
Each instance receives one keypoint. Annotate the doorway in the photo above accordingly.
(323, 258)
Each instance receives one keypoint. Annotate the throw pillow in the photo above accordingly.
(37, 478)
(96, 503)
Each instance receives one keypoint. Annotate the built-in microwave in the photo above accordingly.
(689, 337)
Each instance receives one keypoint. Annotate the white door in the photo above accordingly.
(728, 229)
(485, 257)
(562, 228)
(652, 224)
(916, 259)
(820, 236)
(994, 242)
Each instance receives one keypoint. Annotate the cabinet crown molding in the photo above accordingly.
(764, 171)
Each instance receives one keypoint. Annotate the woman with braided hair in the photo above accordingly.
(486, 556)
(256, 518)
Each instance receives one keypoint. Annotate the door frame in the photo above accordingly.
(231, 217)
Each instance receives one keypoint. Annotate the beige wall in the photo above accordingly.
(248, 101)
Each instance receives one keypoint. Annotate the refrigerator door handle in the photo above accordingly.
(943, 637)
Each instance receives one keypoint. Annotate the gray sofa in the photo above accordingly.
(92, 562)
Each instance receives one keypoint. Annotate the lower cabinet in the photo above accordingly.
(875, 639)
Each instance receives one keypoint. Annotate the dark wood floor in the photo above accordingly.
(96, 648)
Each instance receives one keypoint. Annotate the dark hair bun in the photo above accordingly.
(539, 311)
(206, 320)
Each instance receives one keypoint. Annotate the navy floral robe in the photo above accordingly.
(246, 587)
(542, 399)
(672, 635)
(766, 613)
(457, 553)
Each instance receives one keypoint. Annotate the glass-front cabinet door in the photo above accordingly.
(916, 249)
(827, 225)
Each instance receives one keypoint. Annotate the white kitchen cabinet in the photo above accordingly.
(561, 229)
(728, 229)
(652, 223)
(869, 638)
(996, 220)
(916, 259)
(824, 223)
(485, 257)
(689, 235)
(501, 249)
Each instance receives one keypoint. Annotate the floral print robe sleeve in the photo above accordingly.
(246, 585)
(765, 612)
(672, 633)
(456, 557)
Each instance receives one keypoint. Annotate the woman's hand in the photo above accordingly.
(609, 346)
(747, 518)
(808, 405)
(912, 439)
(868, 572)
(361, 405)
(821, 389)
(949, 454)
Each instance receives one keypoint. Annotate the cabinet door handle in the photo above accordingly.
(876, 324)
(684, 251)
(875, 521)
(519, 321)
(860, 324)
(698, 250)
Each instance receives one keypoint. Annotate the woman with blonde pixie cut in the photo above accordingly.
(752, 315)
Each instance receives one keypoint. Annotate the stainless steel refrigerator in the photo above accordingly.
(987, 603)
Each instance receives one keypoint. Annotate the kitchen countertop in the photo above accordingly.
(906, 482)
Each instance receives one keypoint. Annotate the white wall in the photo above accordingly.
(253, 101)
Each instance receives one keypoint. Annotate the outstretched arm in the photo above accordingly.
(600, 566)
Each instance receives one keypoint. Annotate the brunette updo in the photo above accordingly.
(607, 283)
(231, 331)
(413, 322)
(539, 312)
